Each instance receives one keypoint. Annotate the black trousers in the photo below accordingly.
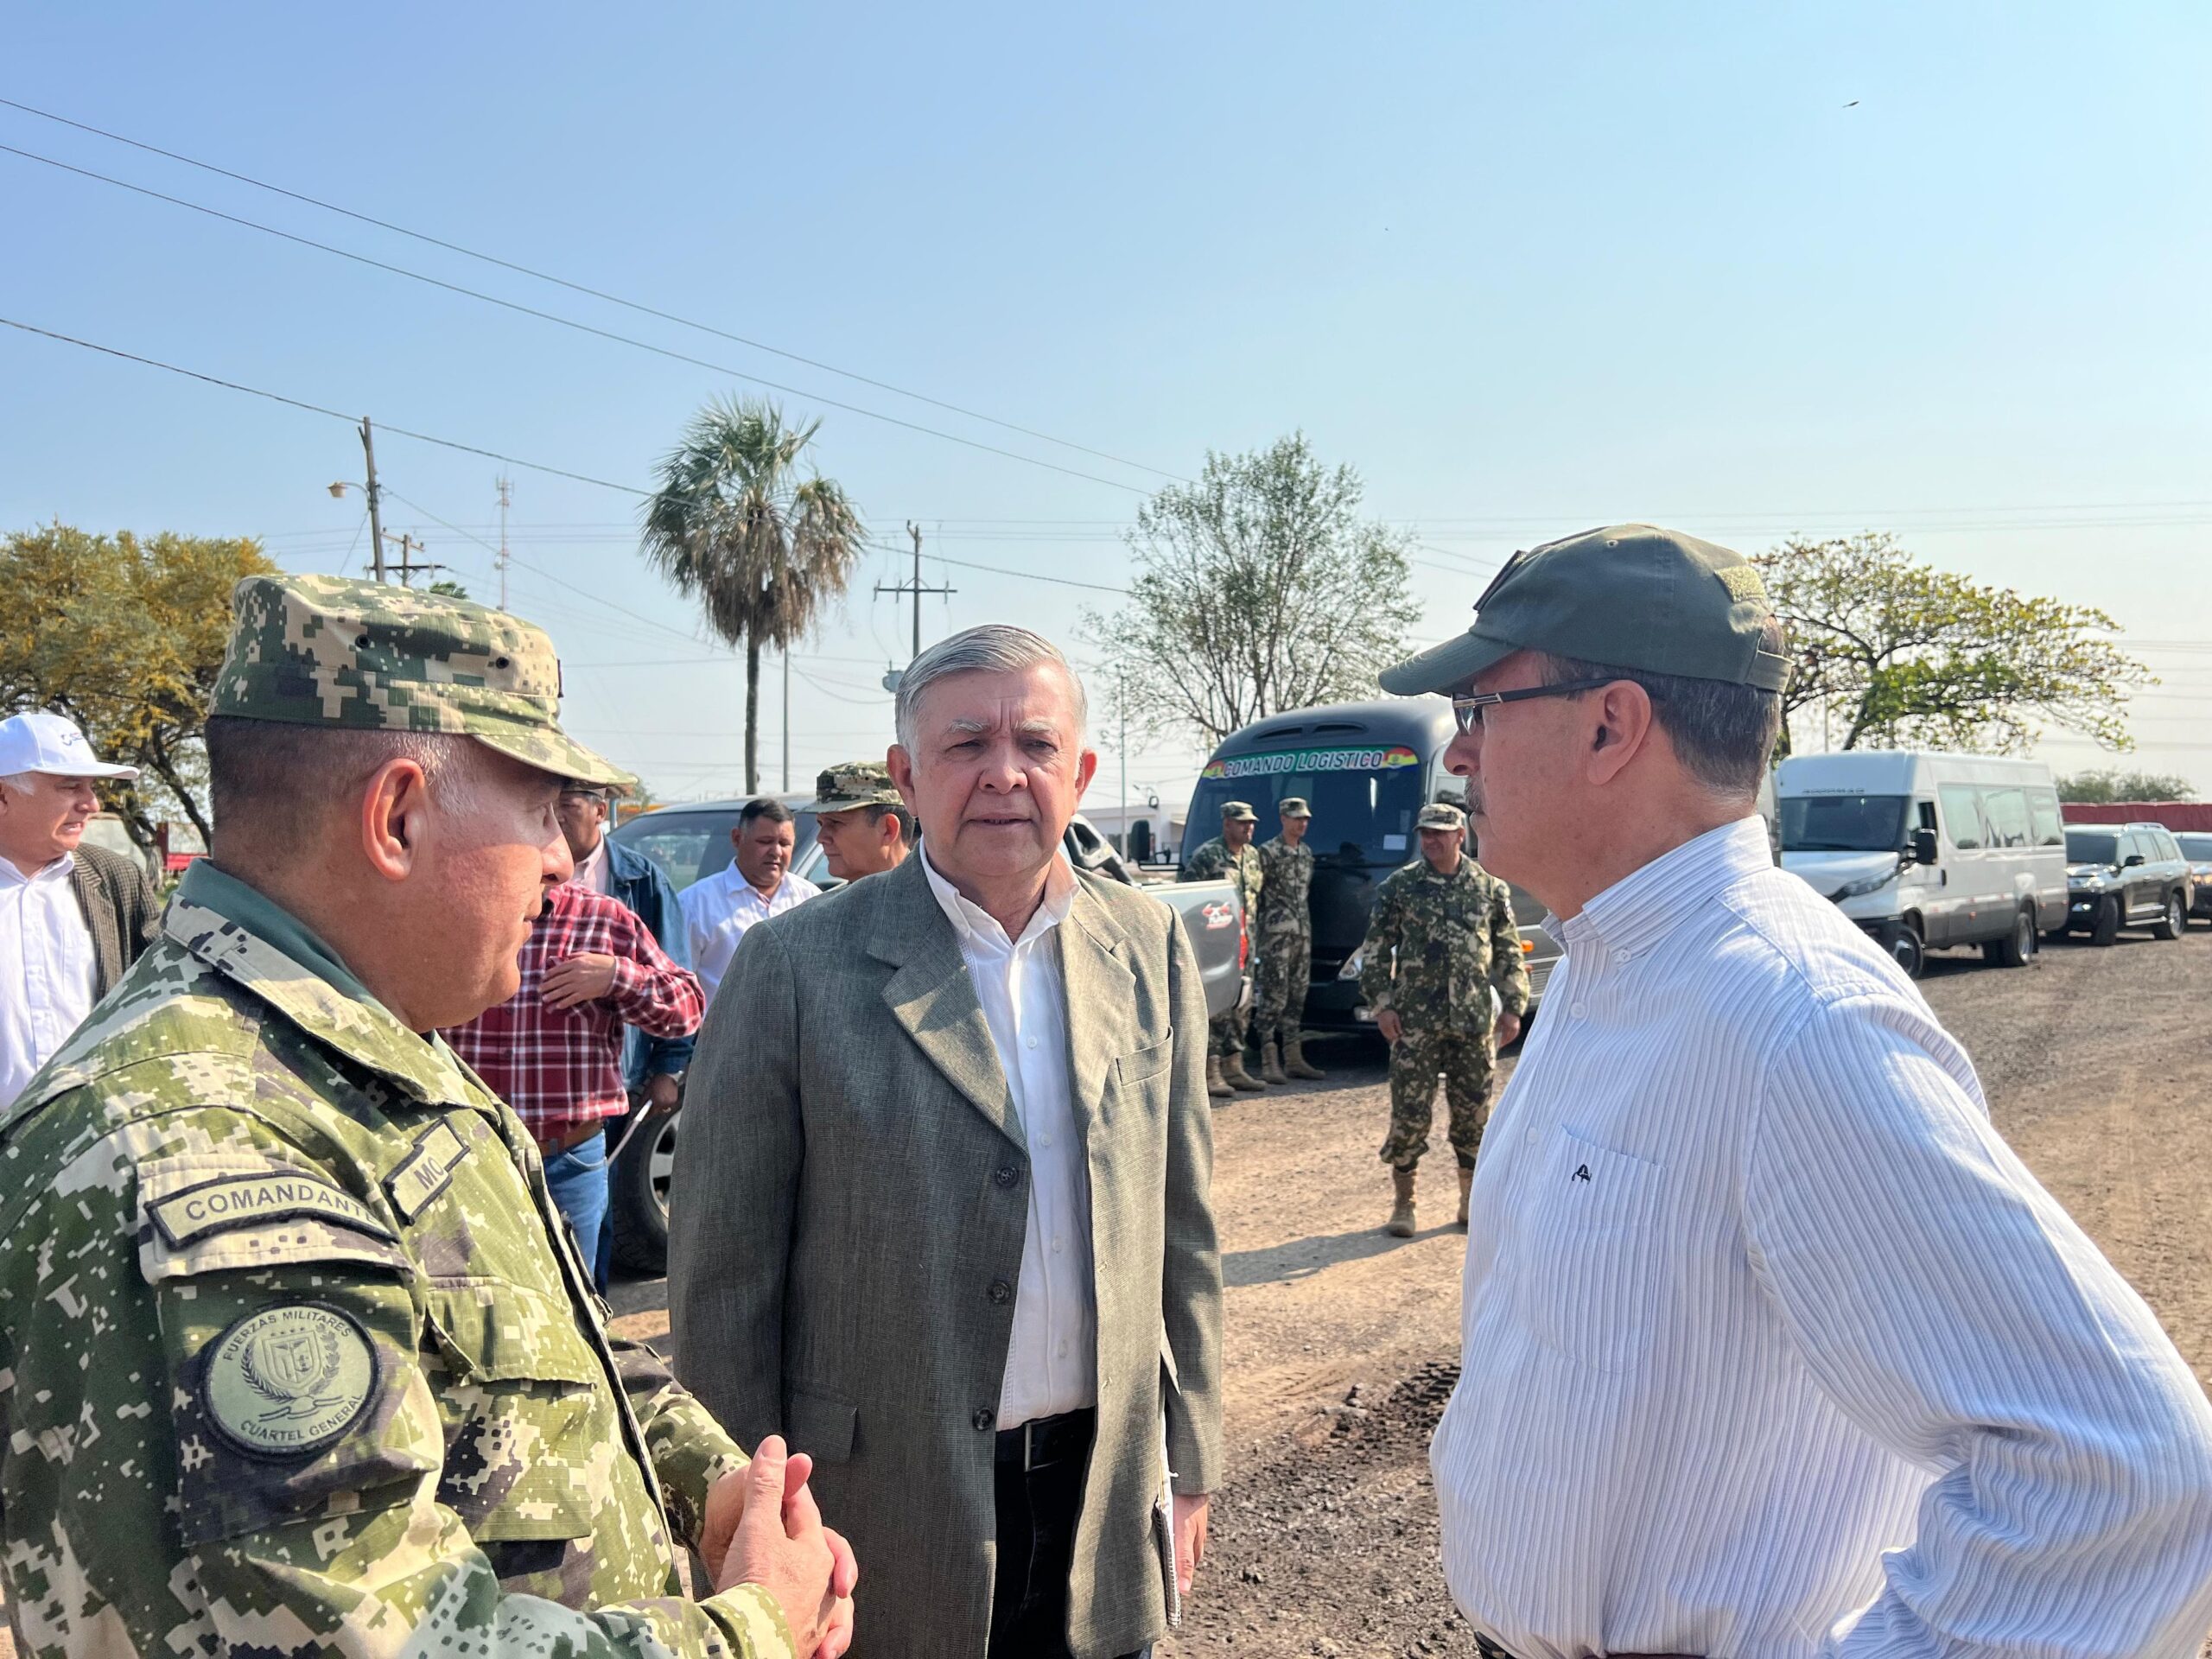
(1039, 1472)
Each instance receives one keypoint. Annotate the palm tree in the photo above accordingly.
(761, 548)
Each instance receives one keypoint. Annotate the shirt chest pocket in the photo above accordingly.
(1592, 1262)
(528, 1409)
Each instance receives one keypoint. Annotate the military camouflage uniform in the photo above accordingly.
(1435, 947)
(296, 1356)
(1283, 942)
(1214, 862)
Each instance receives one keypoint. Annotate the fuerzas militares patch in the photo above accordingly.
(288, 1380)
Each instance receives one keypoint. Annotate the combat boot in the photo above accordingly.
(1233, 1074)
(1217, 1085)
(1466, 1180)
(1271, 1063)
(1295, 1063)
(1402, 1213)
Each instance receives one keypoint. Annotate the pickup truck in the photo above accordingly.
(691, 842)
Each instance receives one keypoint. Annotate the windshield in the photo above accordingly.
(1843, 824)
(1364, 799)
(2198, 848)
(2091, 846)
(691, 843)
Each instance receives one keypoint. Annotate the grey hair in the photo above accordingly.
(18, 781)
(994, 648)
(1723, 734)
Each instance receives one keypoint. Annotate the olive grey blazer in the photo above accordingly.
(121, 909)
(852, 1184)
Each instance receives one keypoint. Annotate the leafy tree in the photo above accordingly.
(1906, 655)
(1258, 589)
(449, 588)
(124, 636)
(2102, 788)
(735, 526)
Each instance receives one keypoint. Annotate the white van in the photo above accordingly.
(1925, 849)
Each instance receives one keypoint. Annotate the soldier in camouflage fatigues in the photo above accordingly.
(1283, 946)
(1231, 856)
(295, 1355)
(1441, 938)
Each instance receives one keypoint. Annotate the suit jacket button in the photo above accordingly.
(984, 1418)
(1001, 1292)
(1008, 1175)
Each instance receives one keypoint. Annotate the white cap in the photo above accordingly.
(39, 741)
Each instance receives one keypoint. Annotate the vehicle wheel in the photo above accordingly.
(2017, 948)
(1907, 950)
(2168, 927)
(637, 1196)
(2106, 929)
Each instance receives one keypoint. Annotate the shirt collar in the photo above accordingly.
(247, 936)
(588, 874)
(977, 927)
(1640, 909)
(57, 871)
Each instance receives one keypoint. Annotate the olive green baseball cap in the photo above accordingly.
(328, 650)
(1293, 806)
(1627, 596)
(857, 782)
(1239, 812)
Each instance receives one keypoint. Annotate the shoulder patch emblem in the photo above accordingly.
(241, 1200)
(288, 1380)
(425, 1172)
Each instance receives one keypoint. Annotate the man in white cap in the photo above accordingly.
(72, 917)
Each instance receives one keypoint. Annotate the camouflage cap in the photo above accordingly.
(1440, 815)
(1238, 813)
(326, 651)
(1293, 806)
(857, 782)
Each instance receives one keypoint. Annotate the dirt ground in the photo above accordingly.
(1343, 1343)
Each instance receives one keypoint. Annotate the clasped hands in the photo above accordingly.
(762, 1526)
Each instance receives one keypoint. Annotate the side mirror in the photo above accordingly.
(2131, 860)
(1924, 850)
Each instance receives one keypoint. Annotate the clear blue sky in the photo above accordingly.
(1528, 268)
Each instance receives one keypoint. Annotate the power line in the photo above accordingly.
(570, 323)
(585, 288)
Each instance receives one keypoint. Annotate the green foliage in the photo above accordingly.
(448, 587)
(1258, 589)
(1904, 654)
(2103, 788)
(124, 636)
(737, 527)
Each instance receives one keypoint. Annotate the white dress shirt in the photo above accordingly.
(47, 971)
(1051, 1365)
(718, 912)
(1771, 1345)
(592, 872)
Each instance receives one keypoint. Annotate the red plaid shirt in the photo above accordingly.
(558, 1067)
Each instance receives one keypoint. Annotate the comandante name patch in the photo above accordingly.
(242, 1200)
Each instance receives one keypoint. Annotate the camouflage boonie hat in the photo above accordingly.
(1439, 815)
(326, 651)
(1239, 812)
(1293, 806)
(857, 782)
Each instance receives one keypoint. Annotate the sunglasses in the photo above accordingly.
(1468, 710)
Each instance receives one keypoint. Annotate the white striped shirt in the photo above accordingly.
(1771, 1345)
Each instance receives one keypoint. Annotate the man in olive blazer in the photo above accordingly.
(853, 1196)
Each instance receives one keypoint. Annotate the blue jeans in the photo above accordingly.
(577, 1179)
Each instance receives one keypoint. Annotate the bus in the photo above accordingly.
(1366, 769)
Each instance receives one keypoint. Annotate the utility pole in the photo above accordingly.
(787, 720)
(376, 514)
(506, 491)
(1122, 699)
(915, 587)
(407, 566)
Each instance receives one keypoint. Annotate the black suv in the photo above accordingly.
(2125, 875)
(2198, 850)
